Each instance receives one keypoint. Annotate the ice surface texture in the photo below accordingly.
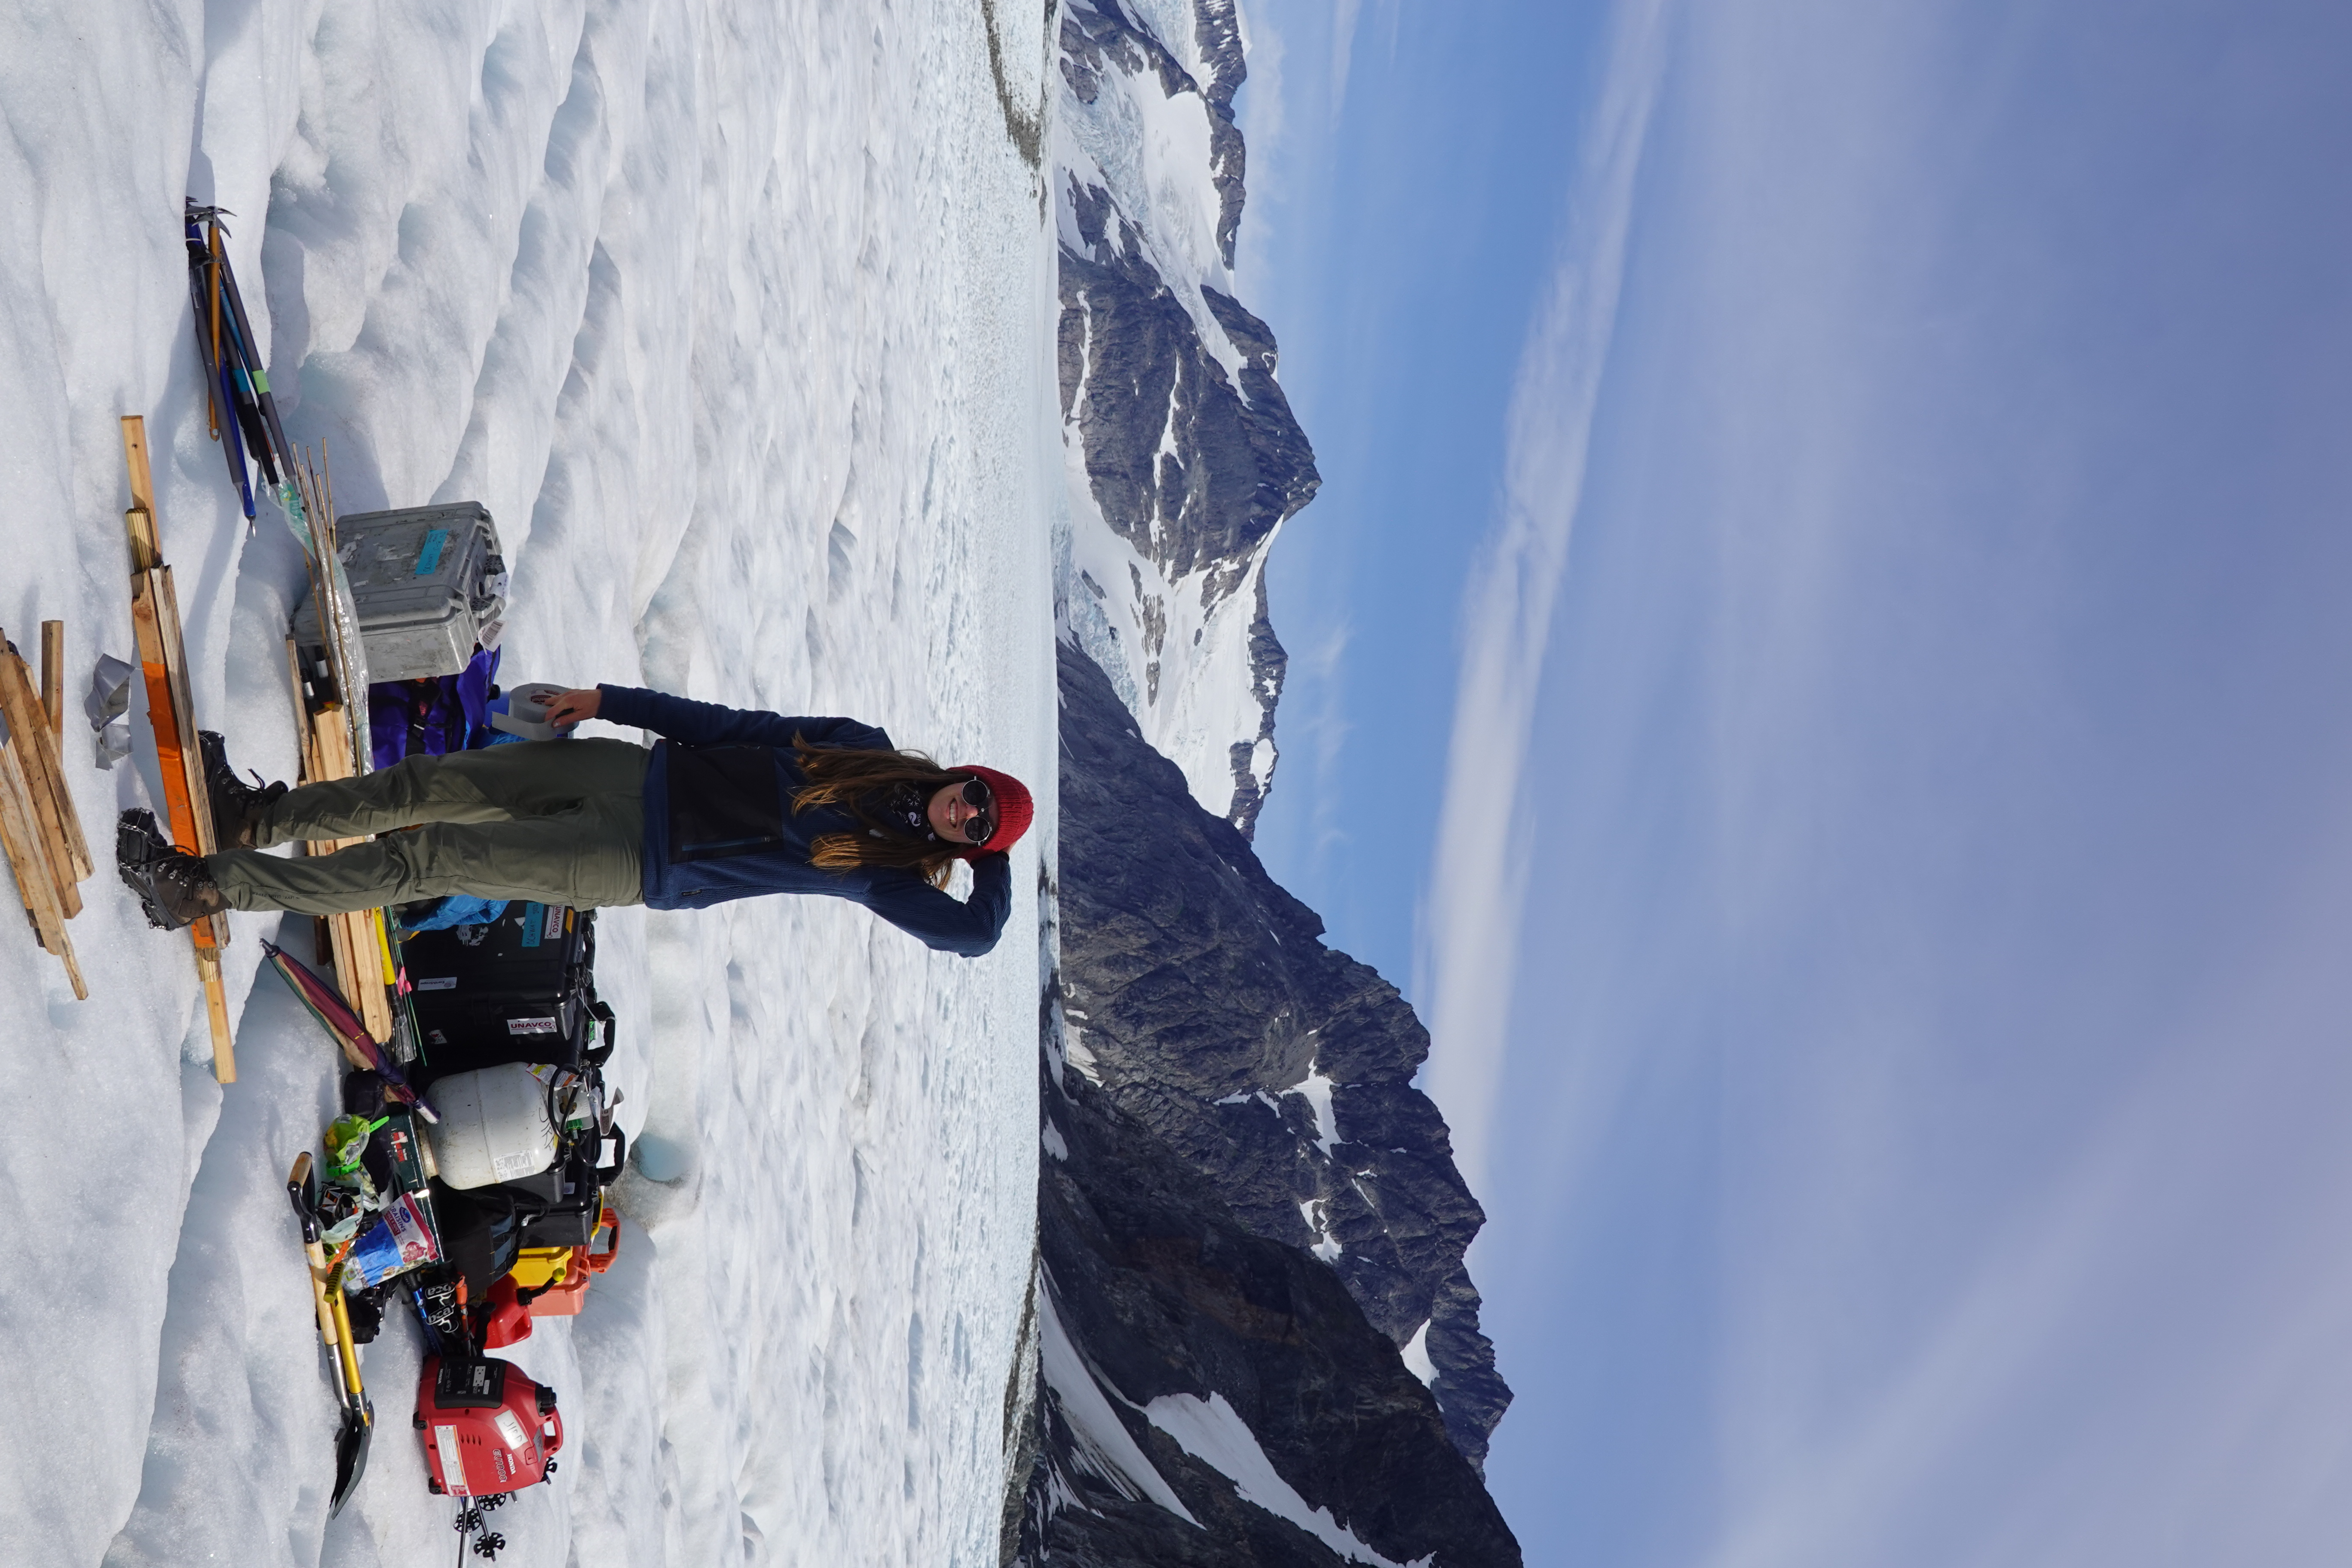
(733, 315)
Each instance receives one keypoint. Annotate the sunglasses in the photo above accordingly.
(981, 827)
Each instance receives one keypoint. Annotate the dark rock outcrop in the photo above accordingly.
(1155, 1289)
(1203, 999)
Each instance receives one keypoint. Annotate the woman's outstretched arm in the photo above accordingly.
(707, 723)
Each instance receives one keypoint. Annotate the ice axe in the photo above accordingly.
(335, 1327)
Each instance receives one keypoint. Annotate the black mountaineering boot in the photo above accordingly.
(236, 804)
(174, 886)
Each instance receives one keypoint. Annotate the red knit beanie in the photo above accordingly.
(1013, 809)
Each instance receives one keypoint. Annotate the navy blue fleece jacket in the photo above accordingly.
(719, 823)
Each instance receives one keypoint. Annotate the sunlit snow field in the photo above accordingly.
(734, 317)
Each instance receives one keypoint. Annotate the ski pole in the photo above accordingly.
(264, 402)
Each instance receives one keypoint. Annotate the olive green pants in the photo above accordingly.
(562, 822)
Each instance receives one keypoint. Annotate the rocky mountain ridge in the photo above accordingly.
(1258, 1340)
(1185, 458)
(1250, 1230)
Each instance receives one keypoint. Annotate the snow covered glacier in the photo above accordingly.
(737, 317)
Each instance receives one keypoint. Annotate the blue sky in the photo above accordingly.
(1855, 497)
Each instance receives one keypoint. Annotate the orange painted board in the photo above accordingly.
(184, 710)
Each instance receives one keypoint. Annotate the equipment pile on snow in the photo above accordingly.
(467, 1174)
(490, 1216)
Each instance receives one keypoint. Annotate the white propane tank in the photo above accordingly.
(494, 1126)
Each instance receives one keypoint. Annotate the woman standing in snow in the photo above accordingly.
(732, 803)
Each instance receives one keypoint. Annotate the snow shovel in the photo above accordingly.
(335, 1327)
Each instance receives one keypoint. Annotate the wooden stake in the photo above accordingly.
(183, 716)
(306, 746)
(20, 840)
(27, 863)
(53, 678)
(146, 549)
(49, 810)
(148, 625)
(44, 772)
(208, 970)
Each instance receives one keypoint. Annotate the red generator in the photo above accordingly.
(488, 1429)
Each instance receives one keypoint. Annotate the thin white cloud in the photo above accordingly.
(1315, 739)
(2044, 1380)
(1343, 50)
(1470, 930)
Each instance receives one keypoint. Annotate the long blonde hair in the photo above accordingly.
(845, 778)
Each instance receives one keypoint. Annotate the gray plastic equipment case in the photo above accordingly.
(429, 583)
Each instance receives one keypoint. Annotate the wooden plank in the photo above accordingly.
(211, 934)
(17, 854)
(334, 734)
(356, 971)
(146, 620)
(376, 1012)
(146, 551)
(355, 946)
(154, 616)
(183, 711)
(339, 931)
(40, 855)
(21, 852)
(306, 745)
(366, 995)
(53, 679)
(43, 769)
(208, 970)
(134, 457)
(172, 718)
(28, 733)
(359, 976)
(20, 841)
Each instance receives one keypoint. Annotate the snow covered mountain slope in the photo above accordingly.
(1184, 458)
(1236, 1157)
(732, 315)
(1260, 1345)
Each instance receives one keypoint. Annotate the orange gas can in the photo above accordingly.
(561, 1299)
